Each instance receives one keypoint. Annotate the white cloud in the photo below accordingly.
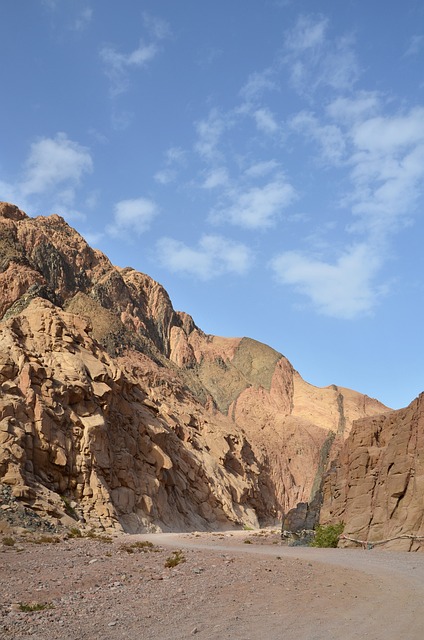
(54, 161)
(209, 134)
(260, 169)
(50, 177)
(83, 19)
(363, 104)
(117, 65)
(385, 154)
(175, 158)
(265, 120)
(215, 256)
(216, 178)
(388, 134)
(157, 27)
(388, 170)
(165, 176)
(257, 84)
(415, 45)
(344, 289)
(256, 207)
(309, 33)
(315, 60)
(132, 217)
(329, 136)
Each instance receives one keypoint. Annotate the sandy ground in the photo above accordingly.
(236, 585)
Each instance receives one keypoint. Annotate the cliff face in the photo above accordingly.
(376, 485)
(122, 406)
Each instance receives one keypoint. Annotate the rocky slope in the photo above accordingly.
(118, 410)
(376, 485)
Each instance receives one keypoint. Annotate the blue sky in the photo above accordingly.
(263, 160)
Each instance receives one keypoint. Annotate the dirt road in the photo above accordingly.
(236, 585)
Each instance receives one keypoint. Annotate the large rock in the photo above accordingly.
(376, 485)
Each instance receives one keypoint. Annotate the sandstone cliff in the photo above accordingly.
(376, 485)
(120, 409)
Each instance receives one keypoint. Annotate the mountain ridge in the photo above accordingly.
(269, 431)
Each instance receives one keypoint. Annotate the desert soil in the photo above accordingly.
(233, 585)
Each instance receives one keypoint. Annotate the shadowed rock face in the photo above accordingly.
(376, 485)
(122, 405)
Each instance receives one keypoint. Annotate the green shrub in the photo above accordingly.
(176, 558)
(8, 542)
(327, 535)
(34, 606)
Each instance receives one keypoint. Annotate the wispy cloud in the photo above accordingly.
(54, 161)
(315, 60)
(258, 84)
(308, 34)
(209, 133)
(349, 110)
(343, 289)
(328, 136)
(217, 177)
(117, 64)
(255, 207)
(388, 170)
(158, 28)
(383, 155)
(415, 45)
(51, 175)
(132, 217)
(215, 256)
(83, 19)
(265, 120)
(175, 159)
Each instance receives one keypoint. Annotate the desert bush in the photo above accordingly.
(327, 535)
(173, 560)
(45, 540)
(143, 545)
(69, 510)
(8, 541)
(34, 606)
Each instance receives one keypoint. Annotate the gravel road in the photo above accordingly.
(234, 585)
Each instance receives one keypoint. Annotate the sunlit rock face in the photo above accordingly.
(376, 485)
(117, 410)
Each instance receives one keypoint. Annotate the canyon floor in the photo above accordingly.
(242, 585)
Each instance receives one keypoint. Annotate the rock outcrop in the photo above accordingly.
(376, 485)
(117, 409)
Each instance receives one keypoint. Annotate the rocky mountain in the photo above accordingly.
(118, 411)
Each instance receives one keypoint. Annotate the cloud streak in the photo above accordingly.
(343, 289)
(256, 207)
(52, 173)
(132, 217)
(215, 256)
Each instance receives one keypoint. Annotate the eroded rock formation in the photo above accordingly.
(120, 409)
(376, 485)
